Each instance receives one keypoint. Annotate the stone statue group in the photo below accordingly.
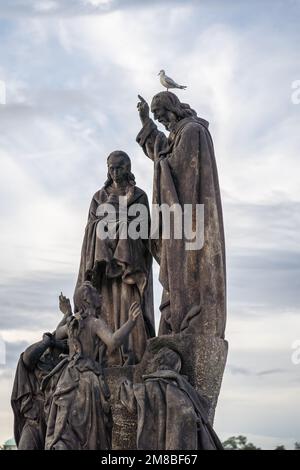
(104, 367)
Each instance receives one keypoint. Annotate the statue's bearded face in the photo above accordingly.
(164, 116)
(117, 169)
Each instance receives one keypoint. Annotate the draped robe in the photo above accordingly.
(185, 172)
(30, 404)
(171, 414)
(123, 275)
(79, 415)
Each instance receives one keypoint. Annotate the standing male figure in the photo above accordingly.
(185, 172)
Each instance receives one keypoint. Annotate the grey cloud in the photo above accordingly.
(67, 8)
(258, 364)
(268, 278)
(16, 8)
(13, 351)
(272, 224)
(263, 254)
(238, 370)
(83, 128)
(271, 372)
(7, 374)
(32, 303)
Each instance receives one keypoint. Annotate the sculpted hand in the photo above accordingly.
(65, 305)
(143, 109)
(134, 311)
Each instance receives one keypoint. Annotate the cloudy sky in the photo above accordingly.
(72, 71)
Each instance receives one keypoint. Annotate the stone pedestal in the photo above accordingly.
(203, 362)
(125, 424)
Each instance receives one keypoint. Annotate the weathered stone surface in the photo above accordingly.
(83, 412)
(185, 175)
(171, 413)
(120, 267)
(203, 362)
(124, 423)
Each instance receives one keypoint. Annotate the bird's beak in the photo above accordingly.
(158, 73)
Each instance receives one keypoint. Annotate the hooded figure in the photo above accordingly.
(171, 414)
(30, 404)
(185, 172)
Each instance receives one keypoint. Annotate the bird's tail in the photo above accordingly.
(182, 87)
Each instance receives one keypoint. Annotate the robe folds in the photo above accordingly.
(79, 416)
(185, 172)
(30, 404)
(123, 270)
(171, 414)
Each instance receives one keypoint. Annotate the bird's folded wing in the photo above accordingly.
(170, 81)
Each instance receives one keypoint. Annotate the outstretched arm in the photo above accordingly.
(149, 138)
(116, 339)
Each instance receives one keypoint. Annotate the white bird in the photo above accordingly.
(168, 82)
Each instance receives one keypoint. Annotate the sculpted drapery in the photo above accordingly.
(171, 414)
(80, 415)
(185, 172)
(121, 269)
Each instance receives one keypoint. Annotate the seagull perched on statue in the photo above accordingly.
(168, 82)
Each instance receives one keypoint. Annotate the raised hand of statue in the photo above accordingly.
(65, 305)
(143, 109)
(134, 311)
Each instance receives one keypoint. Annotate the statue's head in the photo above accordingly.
(87, 297)
(168, 109)
(119, 168)
(168, 359)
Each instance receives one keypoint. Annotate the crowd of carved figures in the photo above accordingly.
(61, 398)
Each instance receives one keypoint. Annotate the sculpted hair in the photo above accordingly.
(80, 296)
(171, 102)
(126, 159)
